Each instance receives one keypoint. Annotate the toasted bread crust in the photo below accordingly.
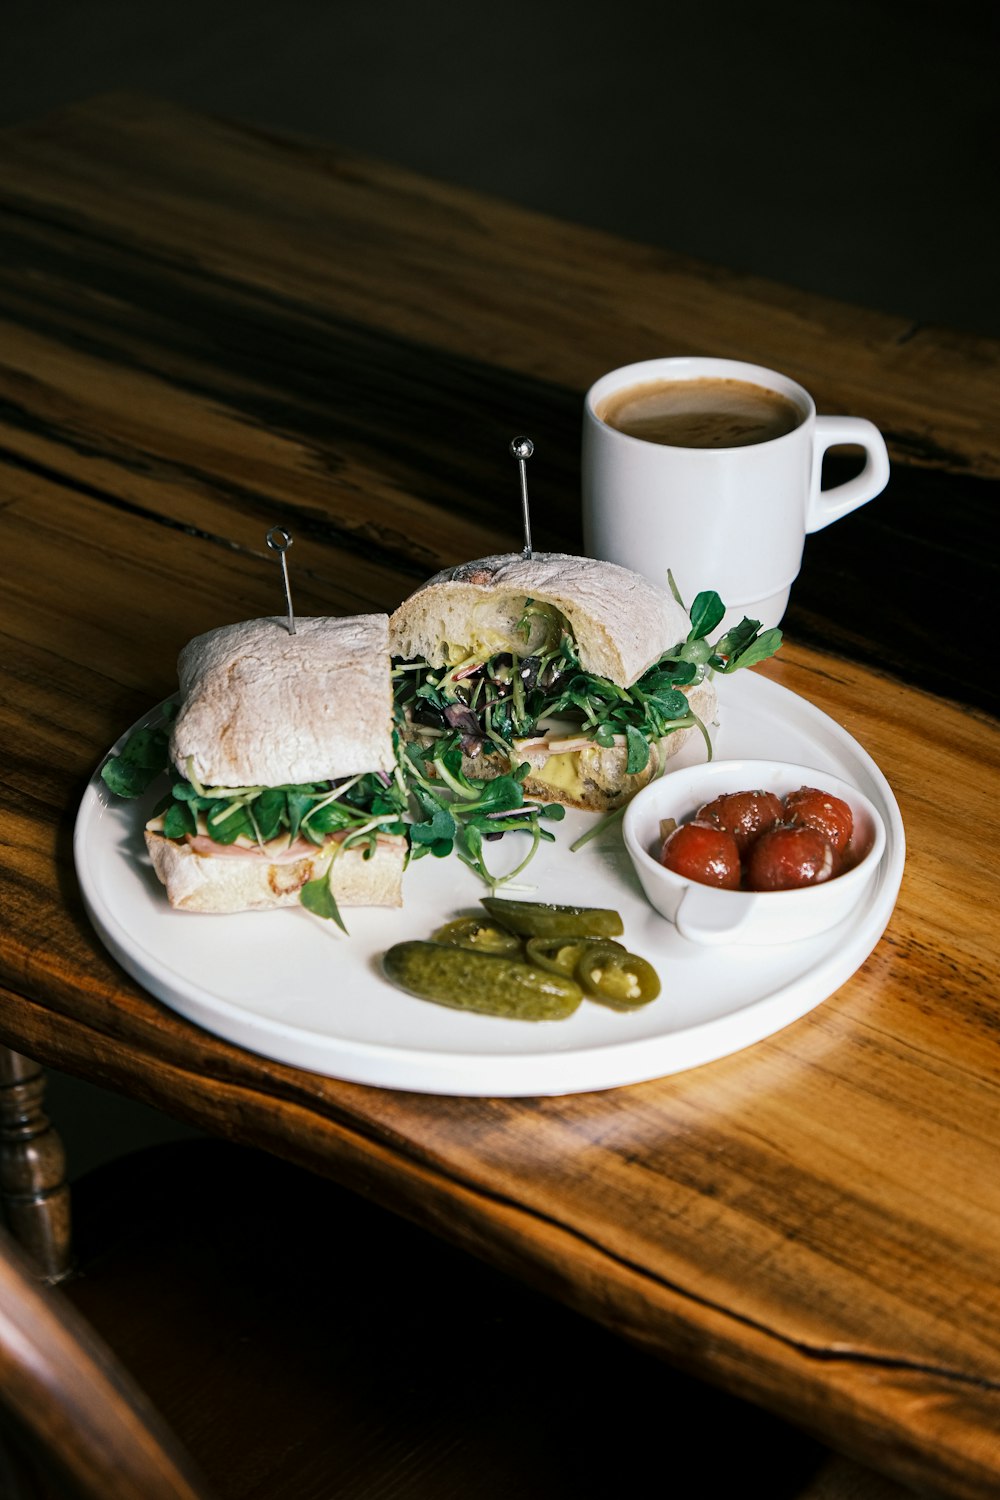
(231, 883)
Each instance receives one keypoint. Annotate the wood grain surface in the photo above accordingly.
(205, 331)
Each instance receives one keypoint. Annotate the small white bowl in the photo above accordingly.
(704, 914)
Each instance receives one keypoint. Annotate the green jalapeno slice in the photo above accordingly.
(560, 955)
(480, 935)
(609, 973)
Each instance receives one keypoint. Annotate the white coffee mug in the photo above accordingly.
(732, 519)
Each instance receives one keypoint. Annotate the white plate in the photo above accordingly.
(293, 988)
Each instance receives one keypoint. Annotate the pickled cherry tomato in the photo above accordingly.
(786, 858)
(702, 852)
(821, 810)
(743, 814)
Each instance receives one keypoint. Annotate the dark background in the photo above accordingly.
(848, 147)
(843, 146)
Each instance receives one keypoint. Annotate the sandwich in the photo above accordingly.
(284, 786)
(579, 675)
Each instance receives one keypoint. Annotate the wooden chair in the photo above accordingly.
(241, 1330)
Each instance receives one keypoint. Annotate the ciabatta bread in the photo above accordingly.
(620, 621)
(263, 707)
(248, 881)
(621, 625)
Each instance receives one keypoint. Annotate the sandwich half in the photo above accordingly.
(581, 669)
(284, 779)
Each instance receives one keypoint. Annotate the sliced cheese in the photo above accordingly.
(561, 771)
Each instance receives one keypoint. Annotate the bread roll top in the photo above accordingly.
(263, 707)
(620, 621)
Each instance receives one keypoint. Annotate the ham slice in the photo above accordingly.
(277, 852)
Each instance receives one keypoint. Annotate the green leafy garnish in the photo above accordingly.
(638, 751)
(145, 755)
(317, 896)
(706, 612)
(453, 812)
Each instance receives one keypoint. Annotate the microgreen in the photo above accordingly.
(454, 812)
(317, 896)
(144, 756)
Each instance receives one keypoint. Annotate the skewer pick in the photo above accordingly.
(522, 448)
(279, 540)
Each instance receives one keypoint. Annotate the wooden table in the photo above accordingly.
(205, 330)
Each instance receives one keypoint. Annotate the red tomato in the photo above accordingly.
(786, 858)
(702, 852)
(743, 814)
(821, 810)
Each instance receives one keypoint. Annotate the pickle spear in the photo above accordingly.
(539, 919)
(483, 982)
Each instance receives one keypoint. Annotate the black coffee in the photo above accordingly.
(706, 413)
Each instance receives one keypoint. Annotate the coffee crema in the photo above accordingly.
(702, 413)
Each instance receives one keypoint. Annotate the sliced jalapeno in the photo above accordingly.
(615, 977)
(484, 982)
(538, 919)
(560, 955)
(478, 934)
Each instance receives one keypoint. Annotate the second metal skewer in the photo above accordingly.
(522, 448)
(279, 540)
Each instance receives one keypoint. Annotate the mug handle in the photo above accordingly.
(829, 505)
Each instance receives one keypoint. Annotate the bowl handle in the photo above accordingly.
(702, 918)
